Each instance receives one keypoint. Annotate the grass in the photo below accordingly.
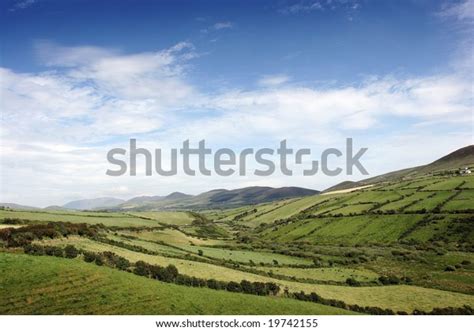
(394, 297)
(309, 227)
(287, 210)
(171, 236)
(374, 196)
(349, 230)
(338, 274)
(406, 201)
(462, 202)
(469, 182)
(246, 256)
(48, 285)
(430, 203)
(446, 184)
(113, 219)
(352, 209)
(167, 217)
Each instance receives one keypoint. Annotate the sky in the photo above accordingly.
(80, 77)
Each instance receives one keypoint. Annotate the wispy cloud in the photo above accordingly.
(273, 80)
(223, 25)
(306, 6)
(463, 10)
(218, 26)
(22, 4)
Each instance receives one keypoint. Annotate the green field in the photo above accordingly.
(55, 286)
(165, 217)
(462, 202)
(324, 274)
(356, 229)
(418, 234)
(114, 219)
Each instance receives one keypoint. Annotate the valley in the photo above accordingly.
(398, 246)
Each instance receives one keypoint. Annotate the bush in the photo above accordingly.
(450, 268)
(233, 287)
(389, 280)
(70, 252)
(122, 263)
(99, 260)
(352, 282)
(34, 249)
(89, 257)
(142, 268)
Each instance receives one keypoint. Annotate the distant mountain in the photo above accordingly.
(88, 204)
(153, 200)
(16, 206)
(219, 198)
(55, 207)
(460, 158)
(177, 196)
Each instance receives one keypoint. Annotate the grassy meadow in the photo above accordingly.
(395, 246)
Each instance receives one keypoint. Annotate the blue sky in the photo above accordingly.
(342, 41)
(80, 77)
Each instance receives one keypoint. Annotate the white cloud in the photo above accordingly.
(273, 80)
(58, 125)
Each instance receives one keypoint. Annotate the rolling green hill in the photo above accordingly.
(400, 244)
(49, 285)
(404, 210)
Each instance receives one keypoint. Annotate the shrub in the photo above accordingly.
(99, 260)
(70, 252)
(122, 263)
(34, 249)
(142, 268)
(89, 257)
(450, 268)
(352, 282)
(233, 287)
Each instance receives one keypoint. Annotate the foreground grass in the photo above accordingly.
(398, 298)
(49, 285)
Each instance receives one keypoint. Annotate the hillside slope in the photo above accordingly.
(453, 161)
(60, 286)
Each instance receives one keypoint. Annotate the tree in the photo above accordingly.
(200, 252)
